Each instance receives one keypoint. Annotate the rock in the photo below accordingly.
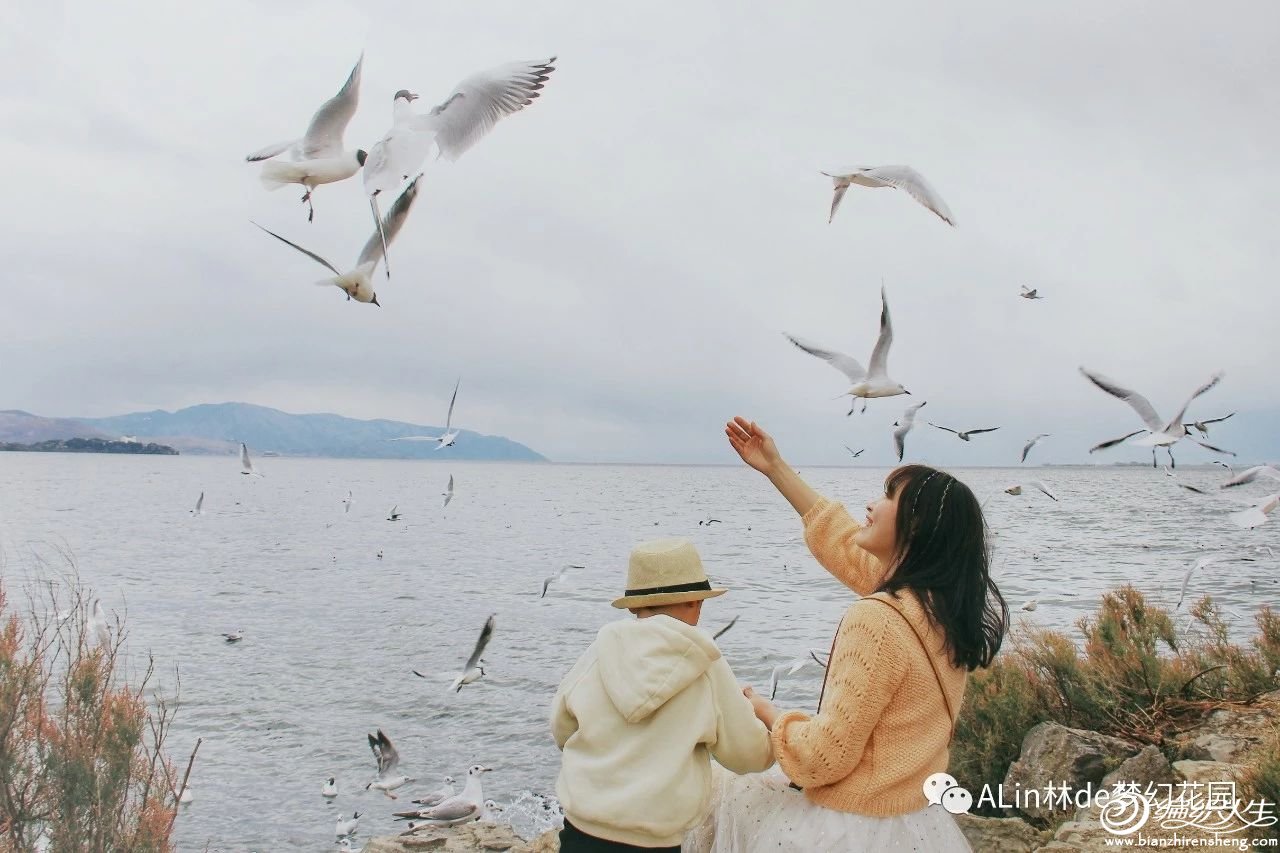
(1000, 834)
(1148, 767)
(1082, 835)
(1054, 754)
(468, 838)
(547, 842)
(1208, 771)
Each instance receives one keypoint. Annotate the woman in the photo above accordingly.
(930, 613)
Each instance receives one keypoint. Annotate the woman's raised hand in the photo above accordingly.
(753, 444)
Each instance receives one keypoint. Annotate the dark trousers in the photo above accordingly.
(574, 840)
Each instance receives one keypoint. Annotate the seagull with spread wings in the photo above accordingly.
(902, 178)
(903, 426)
(318, 157)
(448, 492)
(866, 383)
(1158, 433)
(1202, 427)
(450, 435)
(1026, 448)
(963, 435)
(246, 464)
(388, 759)
(357, 282)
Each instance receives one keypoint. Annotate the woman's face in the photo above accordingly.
(879, 533)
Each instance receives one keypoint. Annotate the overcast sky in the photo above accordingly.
(610, 271)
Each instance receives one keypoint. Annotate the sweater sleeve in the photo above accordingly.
(563, 722)
(742, 742)
(864, 672)
(829, 531)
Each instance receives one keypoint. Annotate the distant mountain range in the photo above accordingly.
(218, 428)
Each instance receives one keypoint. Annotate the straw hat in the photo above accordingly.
(666, 571)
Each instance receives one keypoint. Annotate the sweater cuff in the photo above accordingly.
(778, 735)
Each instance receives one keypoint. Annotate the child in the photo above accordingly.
(645, 708)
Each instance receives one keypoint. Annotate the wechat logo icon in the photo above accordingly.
(942, 789)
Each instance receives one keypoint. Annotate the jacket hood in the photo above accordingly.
(644, 662)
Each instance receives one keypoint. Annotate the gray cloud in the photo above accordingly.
(611, 270)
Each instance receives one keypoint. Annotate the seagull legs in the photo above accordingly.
(311, 208)
(1169, 450)
(1153, 458)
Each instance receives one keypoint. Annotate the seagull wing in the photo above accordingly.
(913, 183)
(774, 678)
(1217, 420)
(836, 198)
(1114, 441)
(271, 150)
(1213, 380)
(1251, 474)
(899, 439)
(451, 810)
(480, 101)
(245, 462)
(718, 634)
(486, 634)
(307, 252)
(200, 502)
(324, 136)
(846, 364)
(449, 418)
(1133, 398)
(1043, 488)
(946, 429)
(391, 224)
(1208, 446)
(880, 354)
(977, 431)
(384, 752)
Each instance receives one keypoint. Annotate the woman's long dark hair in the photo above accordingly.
(942, 554)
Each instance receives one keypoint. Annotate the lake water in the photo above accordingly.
(332, 631)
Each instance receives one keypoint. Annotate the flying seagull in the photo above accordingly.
(1159, 433)
(347, 502)
(1258, 514)
(1026, 448)
(1199, 564)
(1250, 474)
(780, 670)
(1036, 484)
(246, 464)
(962, 435)
(899, 177)
(1030, 293)
(394, 515)
(473, 671)
(449, 437)
(710, 521)
(357, 282)
(199, 510)
(556, 578)
(388, 759)
(1202, 427)
(855, 454)
(318, 157)
(448, 493)
(904, 425)
(866, 384)
(473, 108)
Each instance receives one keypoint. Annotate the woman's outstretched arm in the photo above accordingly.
(757, 449)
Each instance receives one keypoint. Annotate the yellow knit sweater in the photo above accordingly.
(883, 728)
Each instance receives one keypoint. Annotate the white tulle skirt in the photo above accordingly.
(759, 813)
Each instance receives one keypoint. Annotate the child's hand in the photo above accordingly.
(763, 708)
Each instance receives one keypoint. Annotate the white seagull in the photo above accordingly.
(357, 282)
(1017, 489)
(246, 464)
(394, 515)
(458, 809)
(448, 493)
(1026, 448)
(899, 177)
(234, 636)
(491, 811)
(1202, 427)
(853, 453)
(439, 795)
(785, 669)
(384, 752)
(1250, 474)
(329, 789)
(318, 157)
(963, 435)
(473, 108)
(347, 502)
(98, 629)
(1159, 433)
(346, 828)
(866, 384)
(1030, 293)
(557, 577)
(199, 510)
(473, 671)
(1258, 514)
(1199, 564)
(450, 435)
(1031, 605)
(904, 425)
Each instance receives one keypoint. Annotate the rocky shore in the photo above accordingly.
(1215, 751)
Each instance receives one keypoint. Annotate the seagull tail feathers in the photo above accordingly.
(278, 173)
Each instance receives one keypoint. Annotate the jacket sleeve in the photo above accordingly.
(864, 672)
(829, 531)
(563, 722)
(742, 742)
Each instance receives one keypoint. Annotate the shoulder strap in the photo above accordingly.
(951, 717)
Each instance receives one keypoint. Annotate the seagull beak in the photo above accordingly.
(412, 97)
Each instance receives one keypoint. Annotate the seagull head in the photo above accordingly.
(477, 769)
(448, 780)
(407, 95)
(361, 156)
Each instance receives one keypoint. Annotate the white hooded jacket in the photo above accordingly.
(638, 718)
